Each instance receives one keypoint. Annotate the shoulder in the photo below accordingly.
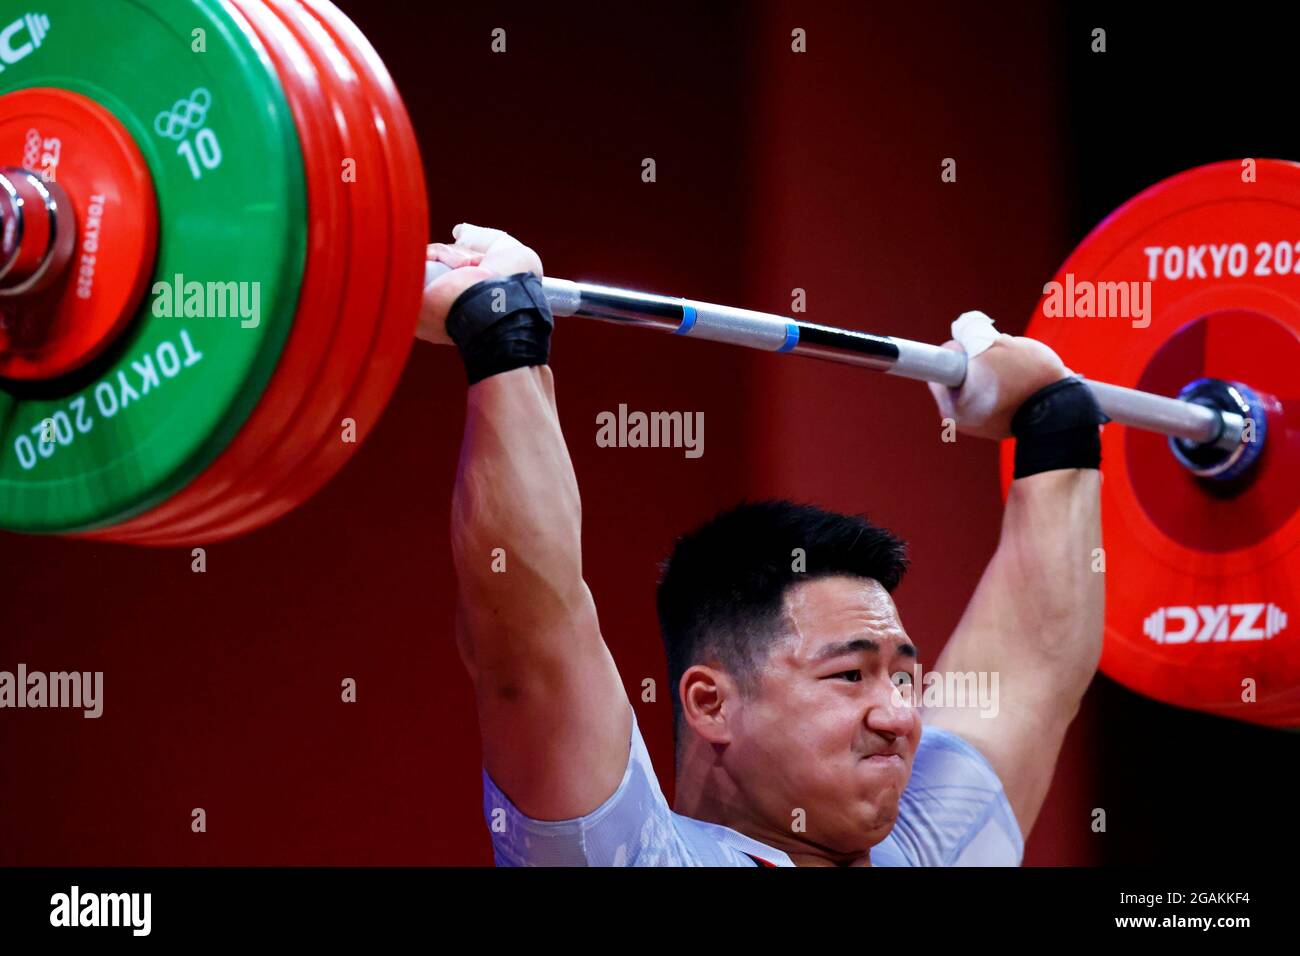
(633, 827)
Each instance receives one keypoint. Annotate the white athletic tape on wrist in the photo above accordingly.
(975, 332)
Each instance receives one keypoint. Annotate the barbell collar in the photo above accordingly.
(59, 240)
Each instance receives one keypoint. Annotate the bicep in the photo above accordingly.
(555, 729)
(1021, 743)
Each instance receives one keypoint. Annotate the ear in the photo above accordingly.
(708, 695)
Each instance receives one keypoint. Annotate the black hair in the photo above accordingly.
(722, 590)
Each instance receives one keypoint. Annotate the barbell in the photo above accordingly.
(212, 246)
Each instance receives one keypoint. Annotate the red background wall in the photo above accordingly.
(775, 171)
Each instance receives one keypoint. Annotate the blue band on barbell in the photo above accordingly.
(791, 337)
(688, 320)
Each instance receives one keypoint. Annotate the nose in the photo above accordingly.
(891, 712)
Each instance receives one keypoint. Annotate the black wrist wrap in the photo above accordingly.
(1056, 427)
(501, 324)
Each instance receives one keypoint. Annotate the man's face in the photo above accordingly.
(827, 730)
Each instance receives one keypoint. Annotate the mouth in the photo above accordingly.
(884, 760)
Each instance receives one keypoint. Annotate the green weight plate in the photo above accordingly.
(195, 89)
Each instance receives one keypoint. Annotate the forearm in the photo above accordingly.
(1037, 615)
(516, 520)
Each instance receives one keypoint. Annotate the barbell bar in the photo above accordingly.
(1201, 424)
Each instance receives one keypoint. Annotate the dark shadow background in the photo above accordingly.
(775, 171)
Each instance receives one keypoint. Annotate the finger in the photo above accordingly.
(478, 238)
(943, 399)
(451, 255)
(447, 245)
(434, 270)
(439, 296)
(509, 255)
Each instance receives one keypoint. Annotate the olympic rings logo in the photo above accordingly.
(41, 155)
(32, 149)
(184, 116)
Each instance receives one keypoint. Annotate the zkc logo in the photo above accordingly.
(1207, 623)
(36, 25)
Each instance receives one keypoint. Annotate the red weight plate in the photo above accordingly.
(319, 357)
(82, 147)
(369, 267)
(405, 194)
(1202, 579)
(403, 269)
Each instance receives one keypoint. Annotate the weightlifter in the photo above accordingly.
(799, 741)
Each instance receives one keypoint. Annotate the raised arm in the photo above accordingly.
(1036, 617)
(552, 710)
